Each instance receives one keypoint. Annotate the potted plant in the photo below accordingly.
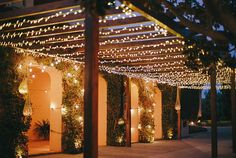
(42, 129)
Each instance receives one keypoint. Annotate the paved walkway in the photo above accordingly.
(196, 146)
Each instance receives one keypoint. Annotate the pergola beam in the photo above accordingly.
(40, 9)
(160, 18)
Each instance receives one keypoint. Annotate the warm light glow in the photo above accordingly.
(53, 106)
(120, 139)
(77, 106)
(192, 123)
(139, 126)
(63, 110)
(23, 88)
(121, 121)
(82, 91)
(170, 133)
(27, 111)
(80, 119)
(132, 111)
(78, 143)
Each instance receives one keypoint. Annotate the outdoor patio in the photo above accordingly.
(196, 146)
(109, 77)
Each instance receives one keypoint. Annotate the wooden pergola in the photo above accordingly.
(129, 40)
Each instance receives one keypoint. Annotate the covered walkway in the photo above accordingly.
(196, 146)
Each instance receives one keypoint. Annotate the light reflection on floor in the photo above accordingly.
(39, 147)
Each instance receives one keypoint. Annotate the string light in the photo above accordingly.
(169, 69)
(19, 23)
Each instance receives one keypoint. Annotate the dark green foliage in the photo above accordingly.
(12, 121)
(225, 101)
(223, 106)
(169, 115)
(42, 129)
(201, 52)
(189, 104)
(207, 27)
(206, 109)
(98, 7)
(115, 110)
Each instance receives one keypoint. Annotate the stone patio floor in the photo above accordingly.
(195, 146)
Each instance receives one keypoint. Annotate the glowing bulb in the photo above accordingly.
(77, 106)
(63, 110)
(52, 106)
(20, 67)
(23, 88)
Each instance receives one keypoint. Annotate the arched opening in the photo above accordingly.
(45, 92)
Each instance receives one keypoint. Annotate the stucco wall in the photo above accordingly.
(102, 111)
(134, 113)
(55, 108)
(39, 97)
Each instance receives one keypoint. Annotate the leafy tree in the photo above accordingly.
(223, 105)
(211, 37)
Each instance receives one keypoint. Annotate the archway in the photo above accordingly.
(45, 95)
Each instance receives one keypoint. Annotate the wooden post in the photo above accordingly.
(179, 124)
(128, 112)
(213, 112)
(233, 105)
(91, 85)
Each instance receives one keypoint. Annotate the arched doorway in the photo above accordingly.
(45, 95)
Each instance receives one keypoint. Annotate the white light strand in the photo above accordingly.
(20, 23)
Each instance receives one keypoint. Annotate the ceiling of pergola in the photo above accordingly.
(131, 42)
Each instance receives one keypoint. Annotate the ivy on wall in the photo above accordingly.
(115, 110)
(13, 124)
(169, 115)
(73, 107)
(146, 93)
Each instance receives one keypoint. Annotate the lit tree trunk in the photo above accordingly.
(91, 85)
(213, 112)
(199, 114)
(233, 104)
(178, 109)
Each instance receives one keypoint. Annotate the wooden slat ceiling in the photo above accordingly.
(130, 43)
